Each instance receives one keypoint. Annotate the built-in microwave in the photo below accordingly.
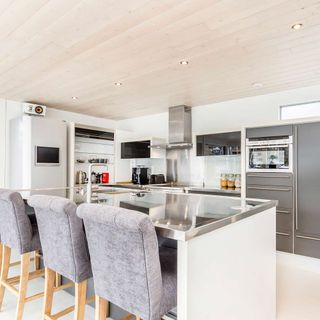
(274, 154)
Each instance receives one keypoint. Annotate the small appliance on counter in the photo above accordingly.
(105, 177)
(140, 175)
(157, 179)
(81, 177)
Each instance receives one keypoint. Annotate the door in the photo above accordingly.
(228, 143)
(307, 190)
(308, 179)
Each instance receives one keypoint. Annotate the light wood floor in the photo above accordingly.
(298, 297)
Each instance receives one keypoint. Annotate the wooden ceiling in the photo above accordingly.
(52, 50)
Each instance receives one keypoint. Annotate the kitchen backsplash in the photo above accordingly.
(184, 168)
(214, 166)
(157, 166)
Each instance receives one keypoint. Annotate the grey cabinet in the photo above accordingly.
(307, 237)
(298, 212)
(276, 186)
(284, 242)
(270, 179)
(228, 143)
(284, 195)
(267, 132)
(135, 149)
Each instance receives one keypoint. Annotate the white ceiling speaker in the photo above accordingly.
(34, 109)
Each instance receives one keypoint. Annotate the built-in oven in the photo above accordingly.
(274, 154)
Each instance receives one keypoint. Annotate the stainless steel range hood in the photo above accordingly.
(180, 129)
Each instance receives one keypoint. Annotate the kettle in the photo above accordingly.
(81, 177)
(93, 177)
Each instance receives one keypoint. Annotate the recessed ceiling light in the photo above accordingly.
(297, 26)
(74, 98)
(118, 84)
(184, 62)
(257, 85)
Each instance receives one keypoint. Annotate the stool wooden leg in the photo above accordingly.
(36, 260)
(80, 300)
(6, 255)
(50, 277)
(1, 249)
(24, 278)
(58, 280)
(102, 308)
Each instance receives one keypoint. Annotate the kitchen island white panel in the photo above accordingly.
(230, 273)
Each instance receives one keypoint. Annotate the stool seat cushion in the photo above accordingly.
(168, 262)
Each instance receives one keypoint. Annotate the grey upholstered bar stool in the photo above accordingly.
(19, 234)
(64, 249)
(128, 269)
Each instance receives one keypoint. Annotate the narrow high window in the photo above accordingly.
(301, 110)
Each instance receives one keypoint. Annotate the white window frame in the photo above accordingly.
(296, 105)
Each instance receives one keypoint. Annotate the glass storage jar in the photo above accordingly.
(223, 180)
(237, 181)
(231, 181)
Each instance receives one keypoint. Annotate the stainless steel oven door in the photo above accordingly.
(269, 158)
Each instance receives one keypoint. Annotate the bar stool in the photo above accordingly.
(128, 269)
(17, 233)
(65, 251)
(1, 249)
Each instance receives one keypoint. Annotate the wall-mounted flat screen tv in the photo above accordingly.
(47, 156)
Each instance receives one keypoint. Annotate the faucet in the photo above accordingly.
(89, 186)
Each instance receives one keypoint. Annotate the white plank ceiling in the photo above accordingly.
(52, 50)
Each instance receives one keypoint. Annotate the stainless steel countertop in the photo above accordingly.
(178, 216)
(175, 188)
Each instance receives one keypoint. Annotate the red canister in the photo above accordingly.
(105, 177)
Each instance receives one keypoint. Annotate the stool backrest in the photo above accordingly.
(15, 226)
(125, 258)
(62, 237)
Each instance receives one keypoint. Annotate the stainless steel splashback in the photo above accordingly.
(179, 166)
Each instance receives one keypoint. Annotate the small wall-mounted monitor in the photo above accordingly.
(47, 156)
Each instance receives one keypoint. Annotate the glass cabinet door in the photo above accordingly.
(271, 157)
(135, 149)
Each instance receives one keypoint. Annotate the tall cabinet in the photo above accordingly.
(275, 186)
(298, 212)
(307, 218)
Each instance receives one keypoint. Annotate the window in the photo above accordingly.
(302, 110)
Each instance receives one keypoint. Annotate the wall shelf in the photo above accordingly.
(105, 154)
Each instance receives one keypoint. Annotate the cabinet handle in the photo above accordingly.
(308, 238)
(269, 189)
(283, 234)
(264, 176)
(283, 211)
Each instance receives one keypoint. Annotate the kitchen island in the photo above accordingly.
(226, 249)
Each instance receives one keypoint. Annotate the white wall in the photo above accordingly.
(8, 110)
(13, 109)
(226, 116)
(81, 119)
(2, 140)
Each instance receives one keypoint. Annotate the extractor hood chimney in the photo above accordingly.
(180, 127)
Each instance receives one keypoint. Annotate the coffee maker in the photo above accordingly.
(140, 175)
